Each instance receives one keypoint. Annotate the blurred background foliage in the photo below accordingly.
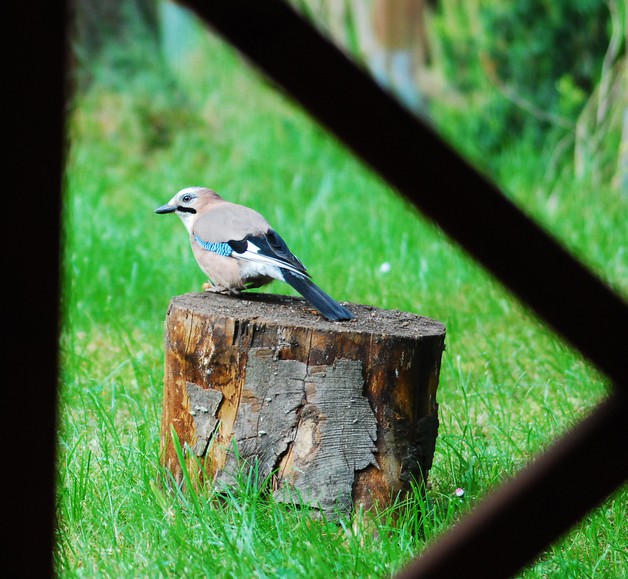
(532, 75)
(491, 75)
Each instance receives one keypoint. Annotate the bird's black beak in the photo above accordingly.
(166, 209)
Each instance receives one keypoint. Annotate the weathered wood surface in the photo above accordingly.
(338, 415)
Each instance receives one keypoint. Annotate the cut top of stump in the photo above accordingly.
(282, 310)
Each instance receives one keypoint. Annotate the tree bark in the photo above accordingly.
(336, 415)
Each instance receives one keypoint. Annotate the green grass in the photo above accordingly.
(508, 386)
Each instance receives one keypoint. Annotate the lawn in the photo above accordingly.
(508, 386)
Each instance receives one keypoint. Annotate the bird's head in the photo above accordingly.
(188, 202)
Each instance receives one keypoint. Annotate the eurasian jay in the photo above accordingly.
(237, 249)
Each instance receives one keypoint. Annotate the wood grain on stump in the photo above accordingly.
(338, 415)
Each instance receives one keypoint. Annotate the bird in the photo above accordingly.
(237, 249)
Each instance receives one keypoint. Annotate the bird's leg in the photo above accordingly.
(218, 289)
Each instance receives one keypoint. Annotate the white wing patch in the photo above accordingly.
(253, 254)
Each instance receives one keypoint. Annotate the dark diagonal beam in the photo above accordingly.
(421, 166)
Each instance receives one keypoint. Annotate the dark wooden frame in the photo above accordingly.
(523, 516)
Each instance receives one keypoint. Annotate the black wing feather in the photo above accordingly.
(272, 245)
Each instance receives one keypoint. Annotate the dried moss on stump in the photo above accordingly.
(339, 415)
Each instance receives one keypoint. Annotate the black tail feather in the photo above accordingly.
(325, 304)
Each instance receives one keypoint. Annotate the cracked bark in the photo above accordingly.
(336, 415)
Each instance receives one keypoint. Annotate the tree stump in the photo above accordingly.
(337, 415)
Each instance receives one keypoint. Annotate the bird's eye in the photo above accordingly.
(187, 198)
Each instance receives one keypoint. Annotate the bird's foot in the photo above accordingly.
(218, 289)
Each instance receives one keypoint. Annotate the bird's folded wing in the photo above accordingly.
(269, 249)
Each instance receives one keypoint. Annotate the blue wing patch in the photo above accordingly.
(219, 248)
